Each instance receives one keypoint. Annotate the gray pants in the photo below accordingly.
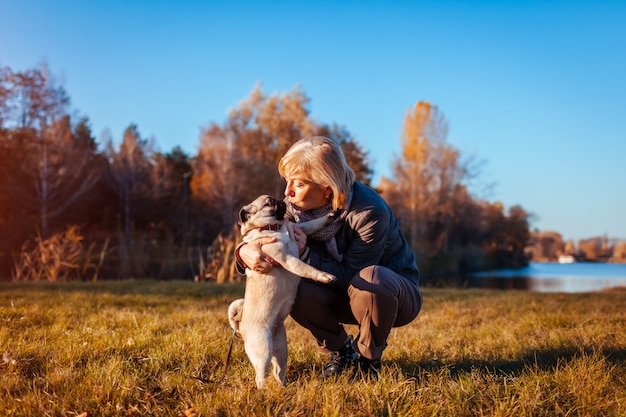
(377, 300)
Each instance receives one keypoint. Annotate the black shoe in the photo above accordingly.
(340, 360)
(367, 368)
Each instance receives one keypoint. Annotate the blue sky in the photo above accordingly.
(537, 90)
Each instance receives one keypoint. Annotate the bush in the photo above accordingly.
(59, 258)
(220, 264)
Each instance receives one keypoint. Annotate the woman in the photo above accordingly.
(377, 285)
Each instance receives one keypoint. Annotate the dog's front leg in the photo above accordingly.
(294, 265)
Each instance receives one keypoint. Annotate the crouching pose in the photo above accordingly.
(377, 279)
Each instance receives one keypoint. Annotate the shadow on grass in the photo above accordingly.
(547, 360)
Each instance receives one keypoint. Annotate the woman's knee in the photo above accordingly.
(388, 291)
(376, 279)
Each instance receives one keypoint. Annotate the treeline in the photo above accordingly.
(73, 208)
(548, 246)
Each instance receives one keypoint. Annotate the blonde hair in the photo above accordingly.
(320, 160)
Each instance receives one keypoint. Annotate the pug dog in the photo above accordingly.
(259, 317)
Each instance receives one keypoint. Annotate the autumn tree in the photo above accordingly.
(129, 172)
(264, 127)
(505, 235)
(427, 178)
(30, 99)
(169, 188)
(447, 228)
(53, 162)
(60, 167)
(356, 156)
(545, 246)
(238, 161)
(619, 253)
(595, 249)
(12, 230)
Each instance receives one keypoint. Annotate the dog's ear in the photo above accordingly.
(243, 215)
(246, 212)
(281, 210)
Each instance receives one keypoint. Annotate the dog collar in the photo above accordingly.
(273, 227)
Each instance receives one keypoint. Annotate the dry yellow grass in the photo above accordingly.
(150, 348)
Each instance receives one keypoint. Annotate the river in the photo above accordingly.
(554, 277)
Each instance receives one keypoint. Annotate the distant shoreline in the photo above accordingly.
(588, 261)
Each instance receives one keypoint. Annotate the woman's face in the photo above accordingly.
(306, 195)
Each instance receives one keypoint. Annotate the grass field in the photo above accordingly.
(145, 348)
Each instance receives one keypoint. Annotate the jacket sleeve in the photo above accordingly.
(364, 240)
(239, 264)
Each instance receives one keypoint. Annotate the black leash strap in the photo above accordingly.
(228, 354)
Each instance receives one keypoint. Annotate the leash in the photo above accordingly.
(228, 354)
(226, 364)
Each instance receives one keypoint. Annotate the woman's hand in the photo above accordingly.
(253, 256)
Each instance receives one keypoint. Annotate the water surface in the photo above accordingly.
(554, 277)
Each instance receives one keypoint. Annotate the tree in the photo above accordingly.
(51, 165)
(54, 169)
(30, 99)
(619, 253)
(263, 128)
(169, 185)
(216, 182)
(238, 161)
(129, 172)
(427, 176)
(356, 156)
(447, 229)
(68, 167)
(10, 229)
(516, 236)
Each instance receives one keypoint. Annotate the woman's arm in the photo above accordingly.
(363, 244)
(251, 256)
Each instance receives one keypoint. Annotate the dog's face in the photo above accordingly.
(263, 211)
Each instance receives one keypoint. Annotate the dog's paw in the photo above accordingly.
(326, 278)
